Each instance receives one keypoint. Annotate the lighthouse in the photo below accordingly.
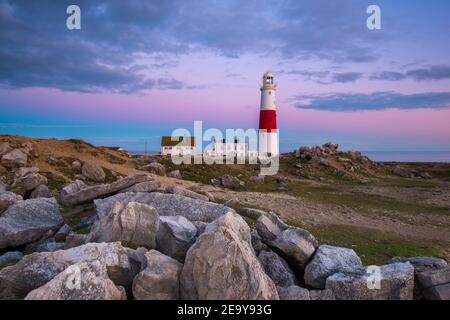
(268, 131)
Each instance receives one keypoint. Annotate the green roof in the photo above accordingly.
(171, 141)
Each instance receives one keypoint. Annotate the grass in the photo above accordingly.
(73, 215)
(376, 247)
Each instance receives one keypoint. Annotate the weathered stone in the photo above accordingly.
(156, 168)
(93, 171)
(321, 295)
(222, 264)
(49, 246)
(293, 292)
(252, 213)
(25, 185)
(176, 174)
(28, 220)
(277, 269)
(160, 280)
(134, 225)
(166, 205)
(14, 159)
(146, 186)
(89, 194)
(329, 260)
(5, 148)
(269, 226)
(9, 257)
(93, 283)
(257, 243)
(76, 165)
(186, 192)
(23, 171)
(62, 233)
(75, 240)
(257, 179)
(7, 199)
(175, 236)
(73, 187)
(396, 282)
(232, 202)
(52, 160)
(435, 284)
(421, 264)
(231, 182)
(36, 269)
(41, 191)
(29, 149)
(200, 226)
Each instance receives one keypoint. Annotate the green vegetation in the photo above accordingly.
(73, 215)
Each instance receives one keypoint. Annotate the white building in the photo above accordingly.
(184, 145)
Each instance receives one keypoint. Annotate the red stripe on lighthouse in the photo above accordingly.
(268, 120)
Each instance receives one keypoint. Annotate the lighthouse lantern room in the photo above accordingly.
(268, 131)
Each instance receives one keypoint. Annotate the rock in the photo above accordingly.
(36, 269)
(41, 191)
(269, 226)
(232, 202)
(5, 148)
(175, 236)
(25, 185)
(51, 160)
(28, 220)
(324, 162)
(215, 182)
(293, 292)
(257, 243)
(252, 213)
(134, 225)
(10, 257)
(321, 295)
(146, 186)
(422, 264)
(222, 265)
(62, 233)
(425, 175)
(277, 269)
(231, 182)
(23, 171)
(330, 146)
(76, 165)
(29, 149)
(7, 199)
(72, 188)
(200, 226)
(75, 240)
(156, 168)
(257, 179)
(296, 245)
(176, 174)
(14, 159)
(329, 260)
(396, 283)
(166, 205)
(435, 284)
(88, 194)
(209, 195)
(160, 280)
(186, 192)
(3, 185)
(87, 281)
(49, 246)
(93, 171)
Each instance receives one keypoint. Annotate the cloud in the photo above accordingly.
(347, 77)
(437, 72)
(342, 102)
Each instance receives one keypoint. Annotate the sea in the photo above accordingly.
(409, 156)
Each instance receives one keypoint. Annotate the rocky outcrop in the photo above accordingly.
(134, 225)
(4, 148)
(293, 292)
(231, 182)
(41, 191)
(176, 174)
(156, 168)
(36, 269)
(23, 171)
(93, 171)
(25, 185)
(28, 220)
(269, 226)
(277, 269)
(186, 192)
(14, 159)
(147, 186)
(252, 213)
(7, 199)
(222, 264)
(160, 280)
(166, 205)
(422, 264)
(70, 197)
(391, 282)
(175, 236)
(81, 281)
(435, 284)
(329, 260)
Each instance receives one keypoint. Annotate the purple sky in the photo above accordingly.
(139, 69)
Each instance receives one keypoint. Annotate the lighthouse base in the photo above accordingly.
(268, 143)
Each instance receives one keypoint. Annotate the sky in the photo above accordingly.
(140, 69)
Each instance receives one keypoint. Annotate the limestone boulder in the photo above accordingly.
(329, 260)
(186, 192)
(7, 199)
(134, 225)
(25, 185)
(41, 191)
(27, 221)
(277, 269)
(175, 236)
(222, 265)
(5, 148)
(435, 284)
(146, 186)
(156, 168)
(293, 292)
(23, 171)
(92, 170)
(81, 281)
(390, 282)
(231, 182)
(14, 159)
(269, 226)
(166, 205)
(176, 174)
(160, 280)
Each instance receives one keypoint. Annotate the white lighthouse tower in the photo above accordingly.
(268, 131)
